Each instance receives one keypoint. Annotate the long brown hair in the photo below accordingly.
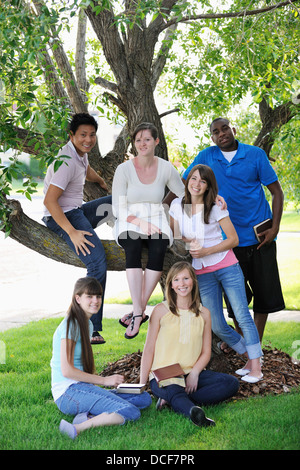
(211, 192)
(171, 296)
(78, 319)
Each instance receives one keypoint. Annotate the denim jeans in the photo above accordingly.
(87, 217)
(83, 397)
(213, 388)
(231, 280)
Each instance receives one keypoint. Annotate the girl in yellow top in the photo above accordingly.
(180, 332)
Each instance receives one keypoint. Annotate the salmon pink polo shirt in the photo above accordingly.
(70, 177)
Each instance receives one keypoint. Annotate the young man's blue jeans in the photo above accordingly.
(87, 217)
(231, 280)
(83, 397)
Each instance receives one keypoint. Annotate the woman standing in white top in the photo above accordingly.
(137, 194)
(199, 221)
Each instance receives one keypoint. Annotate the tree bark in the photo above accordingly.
(272, 121)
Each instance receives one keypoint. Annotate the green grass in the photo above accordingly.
(290, 221)
(288, 256)
(29, 418)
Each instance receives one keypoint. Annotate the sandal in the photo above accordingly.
(129, 317)
(97, 338)
(132, 326)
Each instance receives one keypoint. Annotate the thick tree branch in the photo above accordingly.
(166, 113)
(107, 32)
(160, 62)
(272, 121)
(23, 138)
(117, 102)
(159, 23)
(52, 79)
(64, 66)
(106, 84)
(30, 233)
(80, 63)
(238, 14)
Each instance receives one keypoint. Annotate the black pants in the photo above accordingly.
(133, 244)
(262, 280)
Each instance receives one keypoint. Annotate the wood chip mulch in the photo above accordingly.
(281, 372)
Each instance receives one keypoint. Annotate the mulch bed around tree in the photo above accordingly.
(281, 374)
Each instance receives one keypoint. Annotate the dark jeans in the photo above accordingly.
(87, 217)
(213, 388)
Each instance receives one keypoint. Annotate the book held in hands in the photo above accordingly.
(168, 372)
(261, 227)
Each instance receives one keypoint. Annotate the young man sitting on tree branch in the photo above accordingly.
(64, 211)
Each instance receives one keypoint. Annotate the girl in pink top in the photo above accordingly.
(200, 222)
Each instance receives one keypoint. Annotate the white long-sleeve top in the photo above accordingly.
(132, 197)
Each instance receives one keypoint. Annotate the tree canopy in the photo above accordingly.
(211, 57)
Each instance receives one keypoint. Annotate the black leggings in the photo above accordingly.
(133, 243)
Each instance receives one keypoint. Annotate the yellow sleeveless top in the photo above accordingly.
(179, 340)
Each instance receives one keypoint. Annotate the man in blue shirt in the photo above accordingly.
(241, 171)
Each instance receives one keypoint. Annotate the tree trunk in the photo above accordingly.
(131, 61)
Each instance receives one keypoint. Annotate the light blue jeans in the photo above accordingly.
(83, 397)
(231, 280)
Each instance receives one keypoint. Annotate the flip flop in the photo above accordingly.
(95, 335)
(132, 326)
(129, 317)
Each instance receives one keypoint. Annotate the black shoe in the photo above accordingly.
(198, 417)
